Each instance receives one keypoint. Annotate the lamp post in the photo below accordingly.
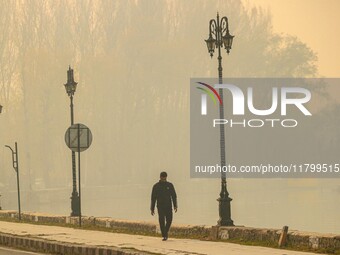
(70, 87)
(16, 168)
(219, 36)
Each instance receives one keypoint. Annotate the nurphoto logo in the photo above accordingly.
(280, 99)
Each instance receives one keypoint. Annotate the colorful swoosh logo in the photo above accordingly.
(210, 91)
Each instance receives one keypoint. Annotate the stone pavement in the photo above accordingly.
(5, 251)
(138, 242)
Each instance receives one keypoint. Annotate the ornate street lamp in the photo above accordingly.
(211, 44)
(228, 41)
(219, 36)
(71, 87)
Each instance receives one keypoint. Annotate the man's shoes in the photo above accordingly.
(164, 238)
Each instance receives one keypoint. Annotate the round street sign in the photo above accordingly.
(78, 137)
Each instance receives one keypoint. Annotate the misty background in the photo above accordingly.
(133, 61)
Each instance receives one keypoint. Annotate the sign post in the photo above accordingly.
(78, 138)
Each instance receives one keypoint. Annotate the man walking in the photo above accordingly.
(164, 193)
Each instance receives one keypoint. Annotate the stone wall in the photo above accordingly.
(260, 236)
(295, 239)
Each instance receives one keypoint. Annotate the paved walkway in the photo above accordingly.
(5, 251)
(142, 243)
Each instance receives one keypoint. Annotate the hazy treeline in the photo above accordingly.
(133, 61)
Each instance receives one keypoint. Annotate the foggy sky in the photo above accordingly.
(133, 61)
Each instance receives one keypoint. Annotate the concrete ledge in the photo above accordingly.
(32, 244)
(261, 236)
(295, 239)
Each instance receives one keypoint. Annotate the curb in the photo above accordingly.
(53, 247)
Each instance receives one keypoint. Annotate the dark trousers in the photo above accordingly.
(165, 220)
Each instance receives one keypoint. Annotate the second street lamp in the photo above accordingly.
(71, 87)
(219, 36)
(15, 161)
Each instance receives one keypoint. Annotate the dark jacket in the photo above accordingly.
(164, 193)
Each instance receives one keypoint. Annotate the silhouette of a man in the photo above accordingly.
(163, 192)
